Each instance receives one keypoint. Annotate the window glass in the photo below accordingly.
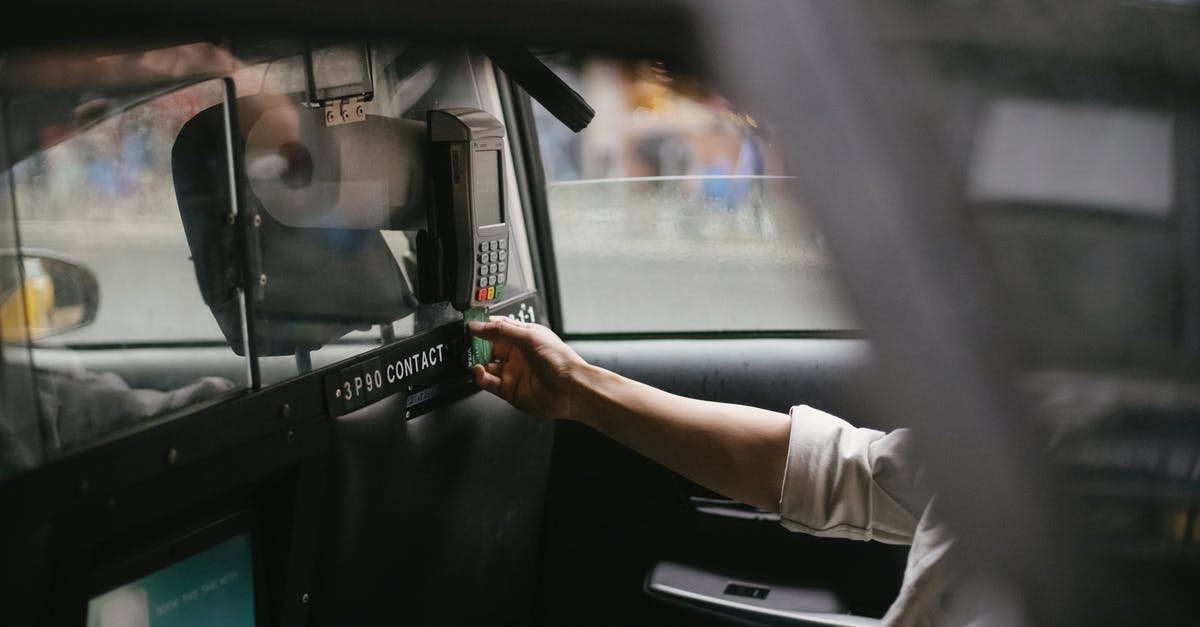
(119, 329)
(105, 198)
(673, 212)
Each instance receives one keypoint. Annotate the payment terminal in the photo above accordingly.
(463, 254)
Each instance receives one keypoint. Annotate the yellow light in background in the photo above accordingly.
(28, 309)
(12, 316)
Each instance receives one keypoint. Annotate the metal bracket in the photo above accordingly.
(345, 111)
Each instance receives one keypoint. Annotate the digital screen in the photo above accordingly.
(488, 209)
(213, 587)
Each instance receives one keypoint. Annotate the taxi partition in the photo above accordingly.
(199, 276)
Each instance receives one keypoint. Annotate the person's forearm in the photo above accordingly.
(734, 450)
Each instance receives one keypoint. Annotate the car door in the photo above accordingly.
(682, 259)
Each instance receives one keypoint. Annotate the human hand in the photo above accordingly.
(533, 369)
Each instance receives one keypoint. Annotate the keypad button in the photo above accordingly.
(503, 255)
(491, 281)
(483, 257)
(502, 266)
(492, 269)
(500, 278)
(494, 245)
(482, 281)
(483, 247)
(503, 244)
(499, 291)
(493, 257)
(491, 293)
(482, 294)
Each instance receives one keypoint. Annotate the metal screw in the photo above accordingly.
(338, 393)
(262, 279)
(286, 410)
(304, 598)
(257, 220)
(329, 116)
(172, 455)
(291, 436)
(359, 111)
(408, 414)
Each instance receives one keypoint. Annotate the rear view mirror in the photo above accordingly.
(57, 296)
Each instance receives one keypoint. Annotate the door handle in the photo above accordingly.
(744, 600)
(727, 508)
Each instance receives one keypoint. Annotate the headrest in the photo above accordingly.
(321, 283)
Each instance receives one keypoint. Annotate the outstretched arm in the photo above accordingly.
(734, 450)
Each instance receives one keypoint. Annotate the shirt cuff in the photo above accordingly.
(829, 489)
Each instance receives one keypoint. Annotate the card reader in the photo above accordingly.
(463, 254)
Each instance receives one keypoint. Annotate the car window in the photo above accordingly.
(105, 198)
(673, 212)
(118, 329)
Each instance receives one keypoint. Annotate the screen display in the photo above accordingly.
(488, 208)
(213, 587)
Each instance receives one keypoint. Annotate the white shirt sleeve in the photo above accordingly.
(846, 482)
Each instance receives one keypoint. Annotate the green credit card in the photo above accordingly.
(480, 351)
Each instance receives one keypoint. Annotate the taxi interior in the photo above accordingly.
(1009, 194)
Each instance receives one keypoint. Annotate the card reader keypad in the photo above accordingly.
(491, 264)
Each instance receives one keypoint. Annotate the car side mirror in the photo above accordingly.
(58, 296)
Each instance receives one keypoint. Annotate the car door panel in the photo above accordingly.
(612, 515)
(425, 514)
(770, 373)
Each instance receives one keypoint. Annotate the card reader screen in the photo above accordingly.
(488, 209)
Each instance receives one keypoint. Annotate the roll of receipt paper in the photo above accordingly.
(363, 175)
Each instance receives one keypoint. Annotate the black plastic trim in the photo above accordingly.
(168, 345)
(816, 334)
(543, 85)
(197, 432)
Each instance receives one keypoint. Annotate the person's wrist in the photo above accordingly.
(581, 393)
